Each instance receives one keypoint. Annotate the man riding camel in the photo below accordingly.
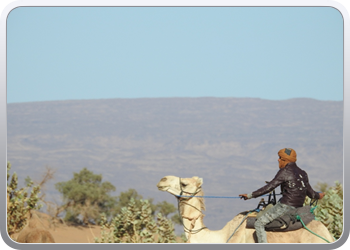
(294, 185)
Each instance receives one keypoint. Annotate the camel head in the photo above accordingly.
(176, 185)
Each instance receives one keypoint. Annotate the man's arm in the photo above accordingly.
(312, 193)
(278, 180)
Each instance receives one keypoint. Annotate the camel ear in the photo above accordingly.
(199, 182)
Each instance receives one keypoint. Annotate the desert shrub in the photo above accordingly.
(19, 202)
(136, 224)
(330, 209)
(86, 196)
(164, 207)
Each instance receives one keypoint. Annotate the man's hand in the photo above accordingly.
(244, 196)
(321, 195)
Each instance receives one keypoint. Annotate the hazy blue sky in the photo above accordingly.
(126, 52)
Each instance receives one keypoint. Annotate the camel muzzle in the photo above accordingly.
(168, 189)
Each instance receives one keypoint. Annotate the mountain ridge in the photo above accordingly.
(230, 142)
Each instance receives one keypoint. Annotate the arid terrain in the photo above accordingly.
(63, 233)
(231, 143)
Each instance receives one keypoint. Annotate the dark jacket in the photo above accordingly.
(294, 185)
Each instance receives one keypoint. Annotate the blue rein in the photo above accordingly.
(226, 197)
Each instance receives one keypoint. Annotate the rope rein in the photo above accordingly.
(299, 218)
(240, 224)
(225, 197)
(311, 211)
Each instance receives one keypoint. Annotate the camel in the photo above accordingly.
(33, 233)
(191, 210)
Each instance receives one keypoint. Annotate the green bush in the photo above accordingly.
(136, 224)
(19, 203)
(330, 210)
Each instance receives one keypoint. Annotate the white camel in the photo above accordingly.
(192, 207)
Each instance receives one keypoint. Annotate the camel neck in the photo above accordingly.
(192, 216)
(193, 230)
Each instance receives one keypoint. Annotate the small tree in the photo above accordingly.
(330, 209)
(19, 204)
(167, 208)
(124, 198)
(164, 207)
(136, 224)
(87, 196)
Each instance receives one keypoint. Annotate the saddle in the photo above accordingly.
(288, 221)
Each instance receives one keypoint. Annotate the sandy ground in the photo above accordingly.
(63, 233)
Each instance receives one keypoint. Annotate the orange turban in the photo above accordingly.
(287, 155)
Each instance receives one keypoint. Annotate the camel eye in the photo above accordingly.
(183, 184)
